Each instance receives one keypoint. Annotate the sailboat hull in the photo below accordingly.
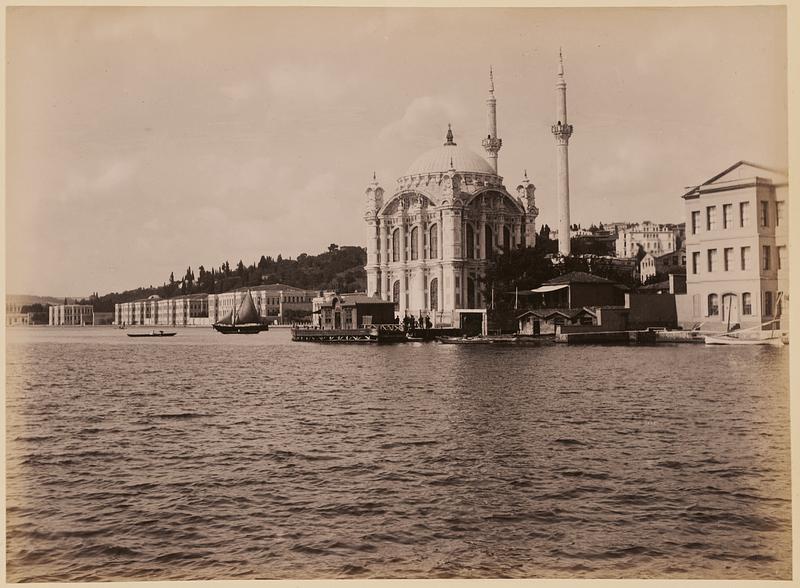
(726, 340)
(245, 329)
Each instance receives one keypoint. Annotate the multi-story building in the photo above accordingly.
(71, 314)
(736, 248)
(15, 316)
(656, 239)
(188, 310)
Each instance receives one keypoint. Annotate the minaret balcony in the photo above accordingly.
(562, 130)
(492, 144)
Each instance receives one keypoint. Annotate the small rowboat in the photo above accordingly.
(154, 334)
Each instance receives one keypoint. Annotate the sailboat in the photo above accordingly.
(761, 338)
(244, 320)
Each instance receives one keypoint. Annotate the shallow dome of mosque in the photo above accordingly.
(450, 155)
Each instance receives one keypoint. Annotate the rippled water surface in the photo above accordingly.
(211, 456)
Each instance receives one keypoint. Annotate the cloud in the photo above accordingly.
(421, 116)
(306, 84)
(103, 181)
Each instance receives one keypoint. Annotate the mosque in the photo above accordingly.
(431, 240)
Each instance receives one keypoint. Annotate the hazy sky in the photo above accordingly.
(144, 140)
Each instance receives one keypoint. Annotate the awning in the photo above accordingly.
(545, 289)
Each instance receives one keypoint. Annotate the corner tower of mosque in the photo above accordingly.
(429, 242)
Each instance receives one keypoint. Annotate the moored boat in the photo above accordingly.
(244, 320)
(775, 341)
(154, 334)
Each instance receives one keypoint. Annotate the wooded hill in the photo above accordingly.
(339, 268)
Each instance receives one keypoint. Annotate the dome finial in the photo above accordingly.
(526, 173)
(449, 135)
(452, 167)
(374, 176)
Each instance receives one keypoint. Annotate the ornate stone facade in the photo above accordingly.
(429, 243)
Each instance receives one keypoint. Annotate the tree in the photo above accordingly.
(333, 247)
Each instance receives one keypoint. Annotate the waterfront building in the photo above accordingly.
(737, 248)
(180, 311)
(429, 242)
(673, 262)
(546, 321)
(70, 314)
(575, 290)
(351, 311)
(653, 238)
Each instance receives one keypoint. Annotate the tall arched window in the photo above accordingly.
(470, 243)
(396, 292)
(396, 245)
(488, 242)
(713, 305)
(414, 243)
(434, 296)
(506, 239)
(433, 242)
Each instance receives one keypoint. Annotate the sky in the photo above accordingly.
(142, 140)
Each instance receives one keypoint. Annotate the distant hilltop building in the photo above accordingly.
(430, 240)
(736, 249)
(656, 239)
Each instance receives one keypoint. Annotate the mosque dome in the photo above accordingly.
(439, 160)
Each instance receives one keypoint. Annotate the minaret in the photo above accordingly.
(491, 143)
(562, 132)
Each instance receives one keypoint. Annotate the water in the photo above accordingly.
(210, 456)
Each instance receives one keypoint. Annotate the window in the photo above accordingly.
(747, 303)
(727, 215)
(434, 242)
(712, 259)
(713, 305)
(781, 256)
(396, 291)
(745, 258)
(695, 262)
(711, 218)
(434, 297)
(414, 243)
(728, 258)
(470, 242)
(488, 242)
(396, 245)
(506, 239)
(764, 214)
(695, 221)
(765, 255)
(744, 214)
(767, 303)
(780, 213)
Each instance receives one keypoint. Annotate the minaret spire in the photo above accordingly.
(562, 131)
(491, 143)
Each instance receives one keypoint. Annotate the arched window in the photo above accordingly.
(414, 243)
(470, 243)
(488, 242)
(434, 294)
(396, 245)
(506, 239)
(434, 242)
(396, 292)
(713, 305)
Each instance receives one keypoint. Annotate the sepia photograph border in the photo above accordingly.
(793, 82)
